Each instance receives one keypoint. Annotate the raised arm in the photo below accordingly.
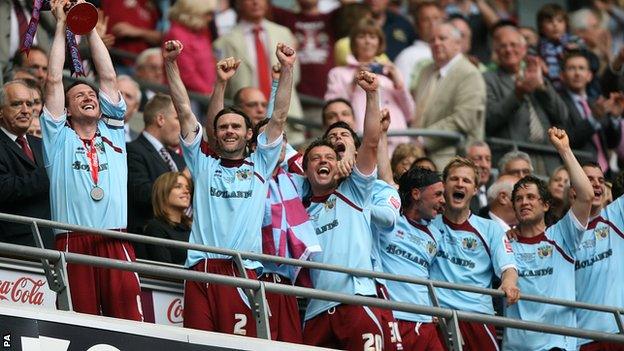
(384, 169)
(286, 57)
(367, 153)
(578, 179)
(226, 69)
(189, 127)
(103, 65)
(54, 94)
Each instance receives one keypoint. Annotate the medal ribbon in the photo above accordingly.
(76, 61)
(32, 27)
(94, 164)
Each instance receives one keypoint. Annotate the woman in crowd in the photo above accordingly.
(189, 24)
(402, 158)
(558, 186)
(171, 197)
(367, 41)
(426, 163)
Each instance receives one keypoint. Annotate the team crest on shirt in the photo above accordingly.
(544, 251)
(400, 234)
(601, 233)
(218, 173)
(431, 247)
(329, 204)
(469, 243)
(244, 174)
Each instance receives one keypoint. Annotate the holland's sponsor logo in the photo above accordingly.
(535, 272)
(456, 260)
(230, 194)
(590, 262)
(329, 226)
(395, 250)
(79, 166)
(23, 290)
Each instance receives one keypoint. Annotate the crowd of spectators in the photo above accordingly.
(113, 152)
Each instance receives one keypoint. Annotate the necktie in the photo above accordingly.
(262, 63)
(22, 22)
(536, 129)
(602, 156)
(21, 141)
(168, 160)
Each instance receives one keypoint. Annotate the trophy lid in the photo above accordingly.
(82, 18)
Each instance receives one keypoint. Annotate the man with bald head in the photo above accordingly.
(23, 178)
(500, 208)
(450, 95)
(521, 104)
(253, 102)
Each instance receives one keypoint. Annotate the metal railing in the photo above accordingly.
(56, 274)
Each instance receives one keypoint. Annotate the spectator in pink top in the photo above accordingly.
(189, 24)
(367, 41)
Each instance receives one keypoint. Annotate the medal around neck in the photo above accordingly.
(97, 193)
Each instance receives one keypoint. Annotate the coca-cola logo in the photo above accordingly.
(174, 311)
(24, 290)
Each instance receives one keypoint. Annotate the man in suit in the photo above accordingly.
(149, 156)
(252, 40)
(521, 104)
(23, 179)
(450, 95)
(14, 18)
(148, 68)
(479, 152)
(131, 92)
(596, 130)
(253, 102)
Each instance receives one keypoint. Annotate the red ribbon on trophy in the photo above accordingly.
(81, 19)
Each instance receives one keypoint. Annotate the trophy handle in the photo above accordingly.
(82, 18)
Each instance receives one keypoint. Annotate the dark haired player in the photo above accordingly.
(545, 256)
(339, 211)
(408, 248)
(230, 187)
(85, 157)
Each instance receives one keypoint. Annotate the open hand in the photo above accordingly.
(285, 55)
(171, 50)
(226, 68)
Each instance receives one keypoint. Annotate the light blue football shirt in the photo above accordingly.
(600, 268)
(229, 197)
(409, 248)
(342, 222)
(68, 168)
(468, 254)
(385, 210)
(545, 268)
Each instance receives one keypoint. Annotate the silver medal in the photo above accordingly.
(97, 193)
